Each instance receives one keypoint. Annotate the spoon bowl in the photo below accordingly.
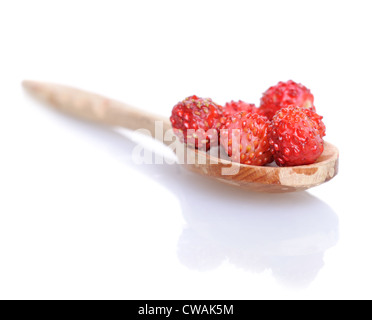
(214, 163)
(272, 179)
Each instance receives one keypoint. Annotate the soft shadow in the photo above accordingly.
(287, 234)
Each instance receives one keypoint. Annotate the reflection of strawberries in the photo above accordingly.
(296, 136)
(244, 137)
(200, 115)
(285, 94)
(238, 106)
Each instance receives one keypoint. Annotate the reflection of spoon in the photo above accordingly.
(95, 108)
(286, 234)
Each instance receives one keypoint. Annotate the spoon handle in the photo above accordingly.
(93, 107)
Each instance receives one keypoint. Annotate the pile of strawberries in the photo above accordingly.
(285, 128)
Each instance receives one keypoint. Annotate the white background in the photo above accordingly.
(79, 220)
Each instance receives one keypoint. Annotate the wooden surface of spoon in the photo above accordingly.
(95, 108)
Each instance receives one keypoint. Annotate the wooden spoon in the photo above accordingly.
(95, 108)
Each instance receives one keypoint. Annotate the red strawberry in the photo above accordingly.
(318, 120)
(238, 106)
(244, 137)
(196, 121)
(285, 94)
(296, 136)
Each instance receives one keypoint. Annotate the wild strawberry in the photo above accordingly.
(296, 136)
(238, 106)
(245, 139)
(318, 120)
(196, 121)
(283, 95)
